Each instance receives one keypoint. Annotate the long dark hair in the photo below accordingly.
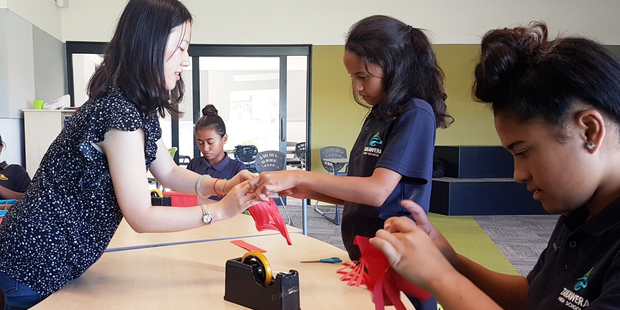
(133, 60)
(523, 73)
(408, 62)
(210, 119)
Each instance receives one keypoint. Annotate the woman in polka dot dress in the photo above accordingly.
(94, 173)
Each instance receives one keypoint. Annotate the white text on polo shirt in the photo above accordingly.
(572, 300)
(372, 151)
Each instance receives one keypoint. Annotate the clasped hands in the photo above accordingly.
(249, 189)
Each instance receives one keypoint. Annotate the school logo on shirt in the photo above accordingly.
(3, 177)
(376, 140)
(372, 149)
(583, 281)
(571, 299)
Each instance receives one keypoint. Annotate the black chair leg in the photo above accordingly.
(336, 219)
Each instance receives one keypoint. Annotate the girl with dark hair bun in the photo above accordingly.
(557, 111)
(211, 136)
(94, 174)
(394, 73)
(14, 179)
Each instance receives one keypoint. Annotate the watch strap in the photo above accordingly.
(205, 213)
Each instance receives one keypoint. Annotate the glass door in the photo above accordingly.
(246, 93)
(261, 91)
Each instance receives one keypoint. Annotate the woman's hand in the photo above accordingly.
(270, 182)
(240, 177)
(238, 199)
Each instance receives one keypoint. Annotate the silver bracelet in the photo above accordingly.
(198, 186)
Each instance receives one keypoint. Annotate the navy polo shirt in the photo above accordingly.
(13, 177)
(226, 169)
(403, 144)
(580, 268)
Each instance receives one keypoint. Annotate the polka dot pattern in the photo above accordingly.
(68, 215)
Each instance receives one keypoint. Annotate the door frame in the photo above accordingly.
(216, 50)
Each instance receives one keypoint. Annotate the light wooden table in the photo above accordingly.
(192, 276)
(239, 226)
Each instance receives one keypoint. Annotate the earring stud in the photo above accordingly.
(591, 145)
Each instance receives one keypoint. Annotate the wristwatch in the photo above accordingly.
(206, 217)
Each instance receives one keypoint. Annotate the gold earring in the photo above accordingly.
(591, 145)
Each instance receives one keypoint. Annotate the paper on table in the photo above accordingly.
(60, 103)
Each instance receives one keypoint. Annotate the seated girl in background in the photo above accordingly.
(211, 136)
(557, 110)
(14, 179)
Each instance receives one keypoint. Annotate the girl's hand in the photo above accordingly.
(416, 250)
(411, 252)
(242, 176)
(422, 222)
(235, 202)
(270, 182)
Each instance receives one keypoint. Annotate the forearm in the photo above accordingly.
(362, 190)
(185, 181)
(158, 219)
(455, 292)
(325, 198)
(6, 193)
(509, 291)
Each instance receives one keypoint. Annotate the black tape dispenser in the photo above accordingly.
(250, 283)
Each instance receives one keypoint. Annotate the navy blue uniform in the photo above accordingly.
(405, 145)
(580, 268)
(226, 169)
(13, 177)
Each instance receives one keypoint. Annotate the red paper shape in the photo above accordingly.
(267, 216)
(383, 281)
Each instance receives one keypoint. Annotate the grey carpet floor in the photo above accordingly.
(521, 238)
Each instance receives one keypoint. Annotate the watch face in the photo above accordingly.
(207, 219)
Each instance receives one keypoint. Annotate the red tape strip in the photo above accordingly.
(247, 246)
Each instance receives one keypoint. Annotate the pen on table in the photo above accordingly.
(324, 260)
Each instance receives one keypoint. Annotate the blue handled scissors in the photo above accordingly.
(324, 260)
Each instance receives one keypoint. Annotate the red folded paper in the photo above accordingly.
(383, 281)
(267, 216)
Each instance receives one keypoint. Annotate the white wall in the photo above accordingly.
(16, 66)
(31, 67)
(325, 22)
(50, 66)
(43, 14)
